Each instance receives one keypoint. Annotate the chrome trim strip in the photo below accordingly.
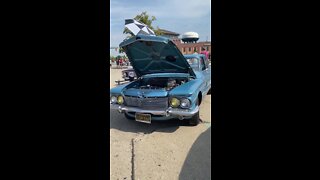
(167, 112)
(184, 112)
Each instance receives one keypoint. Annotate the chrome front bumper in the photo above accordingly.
(168, 112)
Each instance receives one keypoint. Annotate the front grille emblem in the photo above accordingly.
(140, 99)
(141, 95)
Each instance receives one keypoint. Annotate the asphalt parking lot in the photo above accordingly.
(161, 150)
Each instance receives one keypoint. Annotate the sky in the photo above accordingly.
(173, 15)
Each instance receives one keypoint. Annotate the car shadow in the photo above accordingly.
(120, 122)
(198, 162)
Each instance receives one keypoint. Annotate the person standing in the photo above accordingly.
(121, 62)
(117, 62)
(206, 53)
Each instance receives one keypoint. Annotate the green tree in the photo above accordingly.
(111, 58)
(145, 19)
(121, 50)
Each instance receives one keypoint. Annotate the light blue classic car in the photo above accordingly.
(169, 85)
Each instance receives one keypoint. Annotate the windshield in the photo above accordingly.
(194, 63)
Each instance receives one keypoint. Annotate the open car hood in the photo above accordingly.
(154, 54)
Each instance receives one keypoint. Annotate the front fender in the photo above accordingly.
(118, 89)
(190, 89)
(187, 89)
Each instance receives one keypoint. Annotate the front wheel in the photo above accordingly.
(209, 92)
(194, 120)
(131, 79)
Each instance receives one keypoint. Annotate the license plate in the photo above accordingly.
(145, 118)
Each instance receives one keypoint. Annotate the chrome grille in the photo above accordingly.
(147, 103)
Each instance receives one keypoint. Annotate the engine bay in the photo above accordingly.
(166, 83)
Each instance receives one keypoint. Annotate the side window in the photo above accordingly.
(202, 64)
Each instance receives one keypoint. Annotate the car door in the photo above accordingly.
(206, 71)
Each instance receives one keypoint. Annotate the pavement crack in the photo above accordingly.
(132, 159)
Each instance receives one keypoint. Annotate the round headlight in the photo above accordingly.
(113, 99)
(120, 100)
(185, 103)
(131, 74)
(174, 102)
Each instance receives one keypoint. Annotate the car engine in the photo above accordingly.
(166, 83)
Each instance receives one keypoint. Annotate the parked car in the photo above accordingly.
(129, 74)
(169, 85)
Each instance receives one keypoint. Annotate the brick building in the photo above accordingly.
(187, 47)
(190, 48)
